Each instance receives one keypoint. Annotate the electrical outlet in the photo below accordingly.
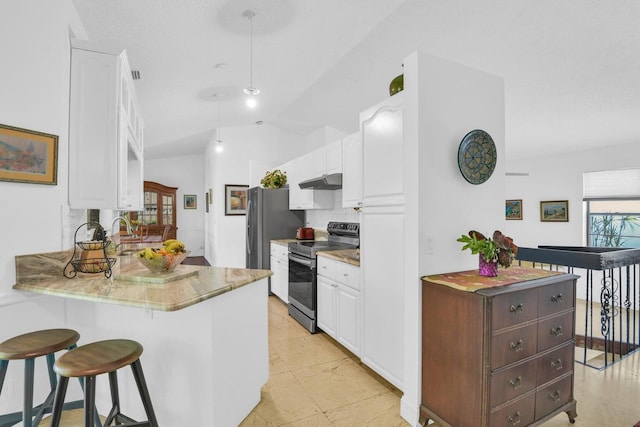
(8, 391)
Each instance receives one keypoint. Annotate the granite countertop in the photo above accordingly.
(350, 256)
(42, 273)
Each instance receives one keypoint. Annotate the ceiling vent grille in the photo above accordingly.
(136, 75)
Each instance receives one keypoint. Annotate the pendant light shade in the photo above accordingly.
(251, 90)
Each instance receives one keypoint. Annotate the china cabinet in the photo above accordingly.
(105, 131)
(505, 353)
(159, 209)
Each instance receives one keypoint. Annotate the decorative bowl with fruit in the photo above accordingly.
(164, 259)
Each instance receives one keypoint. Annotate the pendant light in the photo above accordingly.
(219, 146)
(251, 90)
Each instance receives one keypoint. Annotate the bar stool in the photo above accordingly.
(28, 347)
(91, 360)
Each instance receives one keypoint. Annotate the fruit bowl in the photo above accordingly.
(163, 263)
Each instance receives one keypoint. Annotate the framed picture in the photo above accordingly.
(554, 211)
(513, 209)
(210, 193)
(207, 201)
(190, 201)
(28, 156)
(235, 199)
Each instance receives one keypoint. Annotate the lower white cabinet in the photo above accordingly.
(280, 268)
(339, 302)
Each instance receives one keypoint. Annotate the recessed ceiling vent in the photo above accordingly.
(136, 75)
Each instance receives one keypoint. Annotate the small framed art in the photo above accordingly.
(235, 199)
(513, 209)
(554, 211)
(190, 201)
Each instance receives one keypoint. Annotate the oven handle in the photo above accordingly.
(300, 260)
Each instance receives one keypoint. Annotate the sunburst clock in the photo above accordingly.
(477, 156)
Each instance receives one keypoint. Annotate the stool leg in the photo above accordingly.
(3, 372)
(89, 401)
(58, 401)
(115, 399)
(27, 411)
(136, 367)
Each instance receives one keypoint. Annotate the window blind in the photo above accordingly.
(615, 184)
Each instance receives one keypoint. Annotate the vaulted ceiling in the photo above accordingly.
(570, 67)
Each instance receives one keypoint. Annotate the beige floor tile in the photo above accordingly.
(308, 350)
(380, 410)
(283, 400)
(319, 420)
(338, 383)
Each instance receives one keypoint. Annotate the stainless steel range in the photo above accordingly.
(302, 269)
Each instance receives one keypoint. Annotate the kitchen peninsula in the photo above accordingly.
(204, 333)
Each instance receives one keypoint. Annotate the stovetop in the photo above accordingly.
(342, 235)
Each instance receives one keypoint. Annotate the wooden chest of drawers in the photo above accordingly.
(499, 352)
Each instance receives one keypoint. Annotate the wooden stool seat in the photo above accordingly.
(38, 343)
(28, 347)
(91, 360)
(98, 358)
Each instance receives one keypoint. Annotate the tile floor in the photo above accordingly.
(315, 382)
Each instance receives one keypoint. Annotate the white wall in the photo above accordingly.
(449, 100)
(34, 88)
(243, 146)
(186, 173)
(559, 177)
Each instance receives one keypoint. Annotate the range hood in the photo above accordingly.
(325, 182)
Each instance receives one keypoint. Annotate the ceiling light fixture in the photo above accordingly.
(251, 90)
(219, 147)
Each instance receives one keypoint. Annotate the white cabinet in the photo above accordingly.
(334, 157)
(382, 227)
(105, 131)
(338, 302)
(301, 169)
(280, 268)
(352, 171)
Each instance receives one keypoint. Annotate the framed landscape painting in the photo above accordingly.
(554, 211)
(513, 209)
(28, 156)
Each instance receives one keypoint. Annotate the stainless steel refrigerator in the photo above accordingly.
(268, 218)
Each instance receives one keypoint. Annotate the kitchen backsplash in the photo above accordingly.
(319, 218)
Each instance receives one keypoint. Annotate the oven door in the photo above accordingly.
(302, 284)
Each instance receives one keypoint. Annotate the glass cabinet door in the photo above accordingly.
(167, 209)
(150, 212)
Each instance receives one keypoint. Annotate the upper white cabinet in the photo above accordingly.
(300, 169)
(352, 171)
(105, 131)
(334, 157)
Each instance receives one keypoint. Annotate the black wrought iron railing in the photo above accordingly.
(608, 297)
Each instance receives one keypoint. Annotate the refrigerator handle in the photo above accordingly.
(248, 226)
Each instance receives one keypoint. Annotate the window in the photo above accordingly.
(613, 208)
(613, 223)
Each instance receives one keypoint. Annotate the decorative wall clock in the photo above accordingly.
(477, 156)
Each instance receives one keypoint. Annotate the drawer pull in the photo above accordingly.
(514, 419)
(556, 298)
(517, 309)
(557, 364)
(557, 331)
(555, 397)
(517, 346)
(517, 383)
